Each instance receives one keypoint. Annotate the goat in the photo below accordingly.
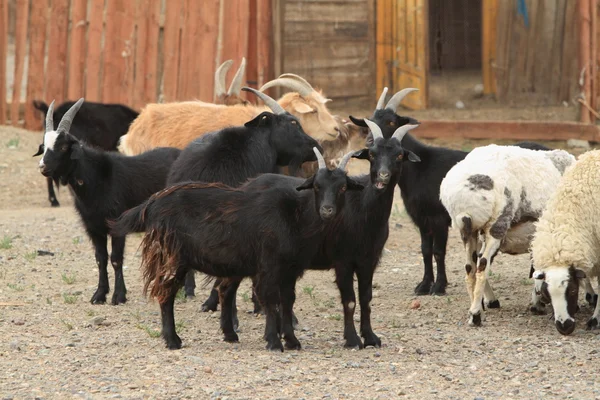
(104, 185)
(96, 124)
(498, 191)
(270, 233)
(233, 155)
(178, 124)
(230, 97)
(420, 189)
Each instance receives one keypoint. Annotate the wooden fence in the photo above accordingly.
(127, 51)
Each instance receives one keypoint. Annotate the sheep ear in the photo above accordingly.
(579, 274)
(307, 184)
(76, 151)
(539, 275)
(413, 157)
(353, 185)
(358, 121)
(361, 154)
(40, 151)
(262, 119)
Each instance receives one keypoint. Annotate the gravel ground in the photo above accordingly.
(57, 345)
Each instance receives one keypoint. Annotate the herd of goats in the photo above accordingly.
(234, 190)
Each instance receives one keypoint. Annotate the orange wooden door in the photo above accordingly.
(403, 49)
(488, 45)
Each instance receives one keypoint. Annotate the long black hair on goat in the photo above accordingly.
(233, 155)
(254, 230)
(420, 189)
(104, 184)
(96, 124)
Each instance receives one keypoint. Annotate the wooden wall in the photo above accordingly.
(537, 62)
(331, 43)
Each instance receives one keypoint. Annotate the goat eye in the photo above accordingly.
(343, 188)
(392, 123)
(316, 188)
(294, 122)
(371, 156)
(400, 156)
(64, 147)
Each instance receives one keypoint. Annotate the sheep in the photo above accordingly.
(495, 190)
(230, 97)
(233, 155)
(178, 124)
(104, 185)
(566, 244)
(420, 188)
(270, 233)
(96, 124)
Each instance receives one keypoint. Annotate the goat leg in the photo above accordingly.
(99, 242)
(167, 313)
(424, 287)
(227, 291)
(190, 284)
(288, 298)
(116, 259)
(344, 279)
(440, 240)
(213, 299)
(365, 294)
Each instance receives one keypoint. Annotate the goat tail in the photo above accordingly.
(122, 145)
(464, 223)
(40, 105)
(160, 263)
(132, 220)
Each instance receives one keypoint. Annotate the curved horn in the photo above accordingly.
(238, 79)
(67, 119)
(50, 118)
(375, 129)
(403, 130)
(290, 84)
(272, 104)
(382, 99)
(320, 159)
(299, 79)
(220, 74)
(397, 98)
(345, 160)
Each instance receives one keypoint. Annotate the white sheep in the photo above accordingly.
(493, 197)
(566, 245)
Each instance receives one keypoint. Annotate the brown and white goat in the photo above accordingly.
(177, 124)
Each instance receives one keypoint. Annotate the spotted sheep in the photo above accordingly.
(494, 196)
(566, 244)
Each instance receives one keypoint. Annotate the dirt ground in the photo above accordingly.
(56, 345)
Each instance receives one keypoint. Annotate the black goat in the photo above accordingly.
(233, 155)
(96, 124)
(420, 189)
(268, 232)
(104, 184)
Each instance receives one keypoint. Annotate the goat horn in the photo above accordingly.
(238, 79)
(290, 84)
(50, 118)
(67, 119)
(299, 79)
(397, 98)
(220, 77)
(381, 101)
(375, 129)
(345, 160)
(320, 159)
(272, 104)
(403, 130)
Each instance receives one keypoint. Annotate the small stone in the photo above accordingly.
(97, 321)
(14, 345)
(416, 304)
(208, 370)
(460, 105)
(578, 143)
(70, 345)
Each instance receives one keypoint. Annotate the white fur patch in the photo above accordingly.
(49, 141)
(351, 305)
(558, 280)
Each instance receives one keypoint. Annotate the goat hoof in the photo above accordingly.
(592, 300)
(537, 310)
(258, 310)
(475, 320)
(231, 337)
(372, 340)
(174, 343)
(98, 298)
(354, 343)
(275, 346)
(423, 288)
(190, 293)
(439, 288)
(118, 298)
(54, 203)
(292, 344)
(592, 324)
(494, 304)
(209, 306)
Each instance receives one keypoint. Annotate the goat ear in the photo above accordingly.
(412, 157)
(361, 154)
(409, 121)
(76, 151)
(353, 185)
(358, 121)
(307, 184)
(40, 151)
(261, 119)
(303, 108)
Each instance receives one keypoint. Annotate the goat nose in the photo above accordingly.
(327, 211)
(384, 175)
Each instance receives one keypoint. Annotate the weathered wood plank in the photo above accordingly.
(3, 53)
(146, 53)
(56, 72)
(557, 50)
(569, 52)
(93, 73)
(235, 37)
(584, 53)
(35, 69)
(77, 50)
(252, 53)
(171, 49)
(264, 24)
(207, 37)
(489, 40)
(22, 15)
